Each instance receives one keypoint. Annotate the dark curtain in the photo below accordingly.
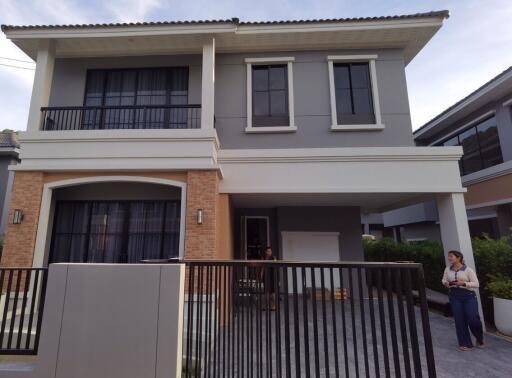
(115, 231)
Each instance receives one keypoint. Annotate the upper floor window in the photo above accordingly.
(354, 95)
(480, 144)
(123, 93)
(354, 103)
(270, 95)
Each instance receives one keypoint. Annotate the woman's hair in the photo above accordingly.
(457, 254)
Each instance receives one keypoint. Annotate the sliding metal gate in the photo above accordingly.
(273, 319)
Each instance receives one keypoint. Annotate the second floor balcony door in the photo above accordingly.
(136, 99)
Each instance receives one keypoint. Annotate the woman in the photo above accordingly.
(267, 275)
(462, 283)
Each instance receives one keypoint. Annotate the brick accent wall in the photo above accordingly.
(20, 238)
(201, 241)
(202, 193)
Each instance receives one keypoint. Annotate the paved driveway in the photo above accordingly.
(495, 361)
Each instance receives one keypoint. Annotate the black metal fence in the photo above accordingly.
(121, 117)
(273, 319)
(21, 309)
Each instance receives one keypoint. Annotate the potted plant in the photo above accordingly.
(500, 288)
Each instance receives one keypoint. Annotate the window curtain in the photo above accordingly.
(115, 231)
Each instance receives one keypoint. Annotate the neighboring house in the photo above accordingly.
(9, 151)
(213, 139)
(482, 124)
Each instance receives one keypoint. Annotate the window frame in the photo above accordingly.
(370, 60)
(291, 127)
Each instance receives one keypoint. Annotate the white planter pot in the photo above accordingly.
(503, 315)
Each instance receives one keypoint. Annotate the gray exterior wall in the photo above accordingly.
(422, 230)
(311, 96)
(6, 179)
(345, 220)
(421, 212)
(312, 103)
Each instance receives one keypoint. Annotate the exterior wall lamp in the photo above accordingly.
(199, 216)
(17, 217)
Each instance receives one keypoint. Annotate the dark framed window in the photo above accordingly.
(270, 95)
(131, 88)
(481, 146)
(115, 231)
(353, 93)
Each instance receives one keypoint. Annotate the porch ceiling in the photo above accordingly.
(368, 202)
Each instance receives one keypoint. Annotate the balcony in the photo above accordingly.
(121, 117)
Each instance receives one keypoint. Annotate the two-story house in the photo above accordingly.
(481, 123)
(9, 151)
(213, 139)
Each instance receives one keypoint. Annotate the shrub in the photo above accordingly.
(493, 260)
(500, 286)
(428, 253)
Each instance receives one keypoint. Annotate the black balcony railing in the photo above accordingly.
(21, 309)
(279, 319)
(121, 117)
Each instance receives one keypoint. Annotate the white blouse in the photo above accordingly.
(465, 274)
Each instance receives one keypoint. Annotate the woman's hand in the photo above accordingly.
(459, 283)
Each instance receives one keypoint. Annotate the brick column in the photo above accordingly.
(202, 193)
(20, 239)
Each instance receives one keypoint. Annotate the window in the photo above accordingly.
(480, 144)
(354, 104)
(353, 91)
(269, 95)
(115, 231)
(123, 91)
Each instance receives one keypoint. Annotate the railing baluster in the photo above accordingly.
(23, 307)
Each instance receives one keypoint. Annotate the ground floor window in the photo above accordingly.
(115, 231)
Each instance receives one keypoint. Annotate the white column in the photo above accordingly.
(208, 85)
(454, 226)
(42, 83)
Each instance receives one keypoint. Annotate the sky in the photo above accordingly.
(474, 45)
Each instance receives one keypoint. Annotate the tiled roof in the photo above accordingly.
(8, 139)
(464, 99)
(234, 20)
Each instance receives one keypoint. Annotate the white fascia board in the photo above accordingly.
(339, 26)
(128, 31)
(483, 92)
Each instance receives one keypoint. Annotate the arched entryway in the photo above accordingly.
(111, 219)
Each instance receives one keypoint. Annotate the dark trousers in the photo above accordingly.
(465, 312)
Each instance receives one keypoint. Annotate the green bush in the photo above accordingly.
(428, 253)
(493, 260)
(500, 287)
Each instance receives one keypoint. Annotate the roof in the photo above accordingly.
(459, 105)
(8, 142)
(234, 20)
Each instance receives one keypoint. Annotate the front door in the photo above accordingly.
(255, 236)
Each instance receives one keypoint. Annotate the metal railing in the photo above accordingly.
(266, 319)
(21, 309)
(121, 117)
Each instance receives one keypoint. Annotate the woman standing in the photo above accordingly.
(462, 283)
